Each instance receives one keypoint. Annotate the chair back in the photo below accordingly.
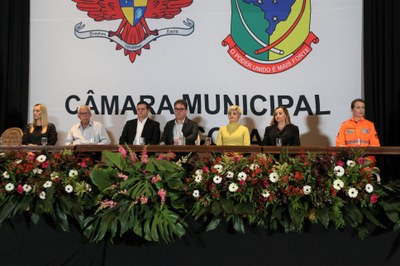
(12, 136)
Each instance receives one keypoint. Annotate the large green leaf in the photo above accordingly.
(114, 159)
(102, 178)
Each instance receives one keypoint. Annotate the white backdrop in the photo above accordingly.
(65, 70)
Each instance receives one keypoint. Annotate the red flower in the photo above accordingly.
(373, 199)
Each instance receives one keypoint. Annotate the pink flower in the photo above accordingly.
(122, 151)
(83, 164)
(340, 163)
(144, 158)
(121, 175)
(361, 160)
(373, 199)
(206, 169)
(155, 179)
(45, 164)
(20, 189)
(107, 204)
(162, 194)
(143, 200)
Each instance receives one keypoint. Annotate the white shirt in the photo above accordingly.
(139, 130)
(92, 134)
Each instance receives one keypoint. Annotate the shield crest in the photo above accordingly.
(266, 32)
(133, 10)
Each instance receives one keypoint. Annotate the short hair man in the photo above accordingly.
(180, 127)
(141, 127)
(87, 131)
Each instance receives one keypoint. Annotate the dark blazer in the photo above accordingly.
(289, 135)
(190, 130)
(150, 133)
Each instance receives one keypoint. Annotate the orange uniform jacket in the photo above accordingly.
(361, 133)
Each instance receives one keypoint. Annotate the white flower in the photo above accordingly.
(253, 166)
(6, 175)
(369, 188)
(242, 176)
(69, 188)
(339, 171)
(218, 167)
(274, 177)
(233, 187)
(198, 172)
(88, 187)
(54, 175)
(37, 171)
(72, 173)
(42, 195)
(27, 187)
(229, 174)
(265, 193)
(47, 184)
(196, 193)
(338, 184)
(351, 163)
(9, 187)
(198, 178)
(41, 158)
(217, 179)
(307, 189)
(352, 192)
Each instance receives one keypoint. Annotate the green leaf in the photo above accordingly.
(102, 178)
(216, 208)
(213, 224)
(227, 205)
(114, 159)
(238, 224)
(323, 216)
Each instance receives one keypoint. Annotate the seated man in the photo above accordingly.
(141, 127)
(87, 131)
(180, 128)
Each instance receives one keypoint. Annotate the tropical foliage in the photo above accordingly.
(152, 197)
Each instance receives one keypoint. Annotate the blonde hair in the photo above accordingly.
(235, 108)
(44, 118)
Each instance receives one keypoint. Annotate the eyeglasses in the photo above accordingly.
(87, 113)
(179, 109)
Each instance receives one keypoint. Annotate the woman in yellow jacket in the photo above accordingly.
(234, 133)
(357, 131)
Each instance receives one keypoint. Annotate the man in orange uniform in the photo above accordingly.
(357, 131)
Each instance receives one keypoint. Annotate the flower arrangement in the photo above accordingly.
(57, 184)
(332, 190)
(138, 194)
(150, 197)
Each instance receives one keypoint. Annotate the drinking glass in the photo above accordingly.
(44, 141)
(208, 141)
(278, 142)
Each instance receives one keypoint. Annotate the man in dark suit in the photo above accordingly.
(180, 128)
(142, 127)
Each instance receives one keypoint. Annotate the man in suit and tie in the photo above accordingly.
(180, 130)
(142, 127)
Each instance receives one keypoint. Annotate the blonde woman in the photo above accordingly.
(234, 134)
(39, 128)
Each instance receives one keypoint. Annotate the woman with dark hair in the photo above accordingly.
(281, 132)
(39, 128)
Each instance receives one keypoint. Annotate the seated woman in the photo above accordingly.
(281, 129)
(39, 128)
(357, 131)
(234, 134)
